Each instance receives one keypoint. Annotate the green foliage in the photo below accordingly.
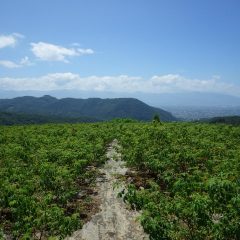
(10, 118)
(234, 120)
(40, 171)
(156, 118)
(194, 170)
(191, 174)
(123, 120)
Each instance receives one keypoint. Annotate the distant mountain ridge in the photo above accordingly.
(102, 109)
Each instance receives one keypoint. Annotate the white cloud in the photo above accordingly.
(25, 61)
(87, 51)
(10, 64)
(50, 52)
(178, 83)
(75, 44)
(9, 40)
(170, 83)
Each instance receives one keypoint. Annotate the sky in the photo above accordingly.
(127, 46)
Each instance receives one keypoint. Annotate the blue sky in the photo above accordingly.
(151, 46)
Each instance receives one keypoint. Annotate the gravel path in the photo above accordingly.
(114, 221)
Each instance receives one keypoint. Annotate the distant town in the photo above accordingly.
(190, 113)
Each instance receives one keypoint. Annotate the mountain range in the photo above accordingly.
(95, 108)
(193, 99)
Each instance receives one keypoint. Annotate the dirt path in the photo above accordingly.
(114, 221)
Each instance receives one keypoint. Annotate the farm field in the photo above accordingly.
(43, 169)
(183, 176)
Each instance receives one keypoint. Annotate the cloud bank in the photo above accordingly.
(50, 52)
(171, 83)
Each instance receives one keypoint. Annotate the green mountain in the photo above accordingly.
(97, 108)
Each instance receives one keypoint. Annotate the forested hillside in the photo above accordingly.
(97, 108)
(11, 118)
(234, 120)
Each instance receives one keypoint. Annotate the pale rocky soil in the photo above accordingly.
(114, 221)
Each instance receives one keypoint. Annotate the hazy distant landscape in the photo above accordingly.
(189, 113)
